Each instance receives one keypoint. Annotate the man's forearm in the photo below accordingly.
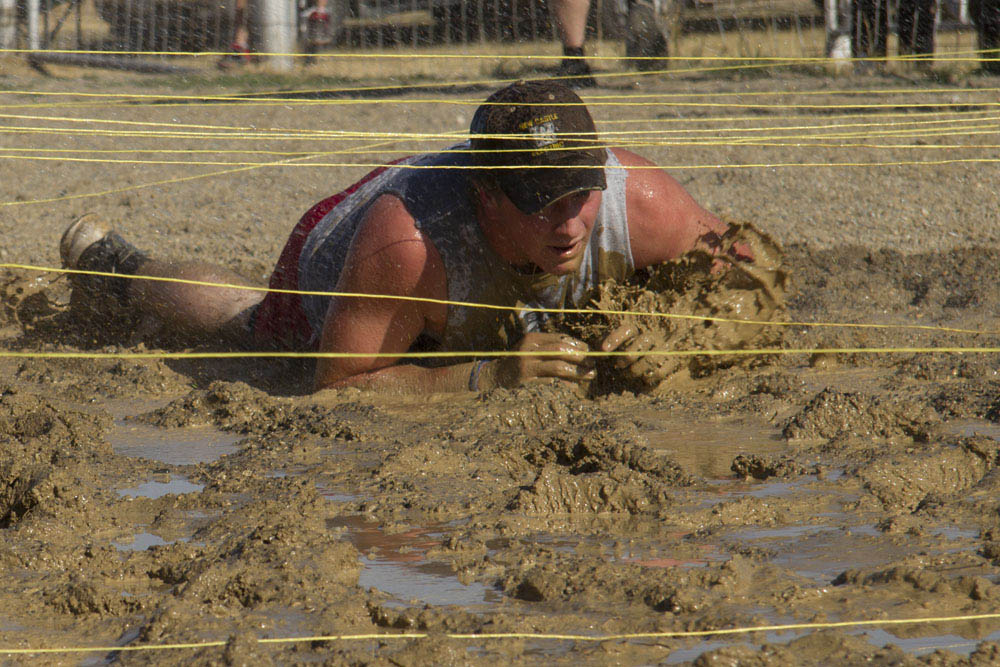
(410, 379)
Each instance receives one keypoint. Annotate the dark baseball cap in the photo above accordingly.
(540, 142)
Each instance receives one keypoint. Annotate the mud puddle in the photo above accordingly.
(969, 427)
(424, 583)
(929, 644)
(707, 449)
(142, 542)
(176, 484)
(398, 565)
(189, 445)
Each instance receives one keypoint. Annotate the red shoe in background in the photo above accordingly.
(240, 56)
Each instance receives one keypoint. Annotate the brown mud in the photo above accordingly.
(153, 501)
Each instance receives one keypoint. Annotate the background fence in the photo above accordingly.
(747, 28)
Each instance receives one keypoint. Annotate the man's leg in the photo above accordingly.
(986, 15)
(202, 313)
(240, 45)
(571, 21)
(915, 22)
(869, 28)
(646, 35)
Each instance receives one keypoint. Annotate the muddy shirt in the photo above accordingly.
(437, 195)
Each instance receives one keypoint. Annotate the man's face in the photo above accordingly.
(555, 238)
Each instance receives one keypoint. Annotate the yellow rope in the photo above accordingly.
(668, 634)
(295, 96)
(922, 129)
(373, 165)
(757, 142)
(272, 133)
(453, 354)
(487, 306)
(140, 186)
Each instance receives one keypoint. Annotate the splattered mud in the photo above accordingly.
(149, 502)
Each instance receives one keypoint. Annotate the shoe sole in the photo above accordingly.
(77, 238)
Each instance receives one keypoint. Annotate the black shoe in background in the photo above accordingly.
(574, 71)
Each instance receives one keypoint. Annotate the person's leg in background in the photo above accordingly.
(986, 15)
(240, 46)
(319, 26)
(916, 27)
(646, 36)
(571, 22)
(869, 29)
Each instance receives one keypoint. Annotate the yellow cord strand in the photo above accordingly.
(669, 634)
(486, 306)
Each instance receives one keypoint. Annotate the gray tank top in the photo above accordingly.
(440, 203)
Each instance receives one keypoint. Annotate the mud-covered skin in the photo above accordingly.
(717, 285)
(806, 488)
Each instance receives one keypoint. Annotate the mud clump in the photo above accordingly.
(26, 417)
(917, 576)
(837, 414)
(80, 596)
(42, 449)
(601, 467)
(618, 490)
(601, 446)
(547, 576)
(537, 405)
(765, 467)
(27, 303)
(729, 292)
(261, 553)
(237, 407)
(905, 483)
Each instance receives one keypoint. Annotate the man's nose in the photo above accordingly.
(563, 222)
(562, 213)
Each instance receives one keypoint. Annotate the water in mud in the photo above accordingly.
(152, 502)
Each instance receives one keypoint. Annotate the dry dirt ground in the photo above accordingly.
(174, 501)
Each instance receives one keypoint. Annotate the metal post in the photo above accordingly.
(33, 15)
(838, 41)
(8, 24)
(278, 32)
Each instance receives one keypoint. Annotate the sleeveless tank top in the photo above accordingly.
(438, 196)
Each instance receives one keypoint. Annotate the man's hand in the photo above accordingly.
(561, 357)
(648, 369)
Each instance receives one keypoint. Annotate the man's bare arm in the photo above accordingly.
(664, 220)
(388, 256)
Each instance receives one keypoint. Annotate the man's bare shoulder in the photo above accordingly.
(390, 251)
(388, 232)
(664, 220)
(646, 182)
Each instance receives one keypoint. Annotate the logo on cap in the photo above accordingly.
(543, 132)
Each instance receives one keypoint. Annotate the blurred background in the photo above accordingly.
(617, 33)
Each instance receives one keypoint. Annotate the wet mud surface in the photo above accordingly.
(153, 501)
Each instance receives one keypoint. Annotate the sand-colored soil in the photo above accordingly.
(152, 501)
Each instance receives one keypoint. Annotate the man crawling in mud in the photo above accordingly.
(542, 217)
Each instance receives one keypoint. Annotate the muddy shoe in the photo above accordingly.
(82, 233)
(90, 244)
